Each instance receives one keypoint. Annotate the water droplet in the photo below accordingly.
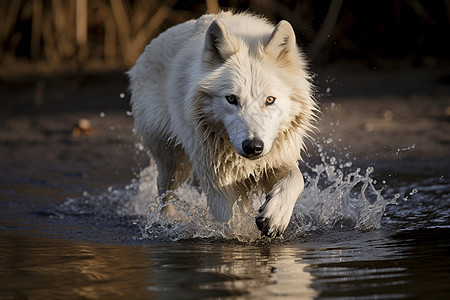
(333, 160)
(139, 146)
(122, 95)
(102, 115)
(406, 149)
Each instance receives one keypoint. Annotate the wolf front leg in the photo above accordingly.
(276, 212)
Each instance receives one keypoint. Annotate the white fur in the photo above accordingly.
(179, 87)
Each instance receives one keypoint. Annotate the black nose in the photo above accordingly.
(253, 147)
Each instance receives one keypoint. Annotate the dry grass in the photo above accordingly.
(41, 36)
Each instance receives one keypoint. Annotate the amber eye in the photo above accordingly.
(232, 99)
(270, 100)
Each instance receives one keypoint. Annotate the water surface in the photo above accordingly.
(78, 219)
(86, 235)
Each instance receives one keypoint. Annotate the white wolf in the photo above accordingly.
(227, 99)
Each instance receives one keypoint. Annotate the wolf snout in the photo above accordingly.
(252, 148)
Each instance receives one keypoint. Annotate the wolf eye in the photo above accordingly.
(270, 100)
(232, 99)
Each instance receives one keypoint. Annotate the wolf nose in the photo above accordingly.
(253, 147)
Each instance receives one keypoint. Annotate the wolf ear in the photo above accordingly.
(219, 45)
(282, 46)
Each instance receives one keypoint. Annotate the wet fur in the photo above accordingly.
(175, 84)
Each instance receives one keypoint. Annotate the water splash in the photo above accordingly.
(334, 198)
(193, 218)
(113, 202)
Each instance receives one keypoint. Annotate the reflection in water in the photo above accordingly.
(234, 269)
(39, 267)
(335, 264)
(407, 258)
(410, 264)
(36, 267)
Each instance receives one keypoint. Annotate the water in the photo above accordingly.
(77, 228)
(333, 198)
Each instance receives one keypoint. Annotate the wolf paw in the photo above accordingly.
(168, 210)
(276, 212)
(274, 217)
(264, 225)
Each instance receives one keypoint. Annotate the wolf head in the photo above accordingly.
(255, 85)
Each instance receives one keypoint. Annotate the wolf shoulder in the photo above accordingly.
(184, 43)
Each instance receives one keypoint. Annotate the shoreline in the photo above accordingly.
(367, 122)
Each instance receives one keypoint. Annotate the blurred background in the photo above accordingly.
(70, 164)
(48, 36)
(379, 66)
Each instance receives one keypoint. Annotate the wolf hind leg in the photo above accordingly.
(174, 169)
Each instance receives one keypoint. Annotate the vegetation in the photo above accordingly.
(66, 35)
